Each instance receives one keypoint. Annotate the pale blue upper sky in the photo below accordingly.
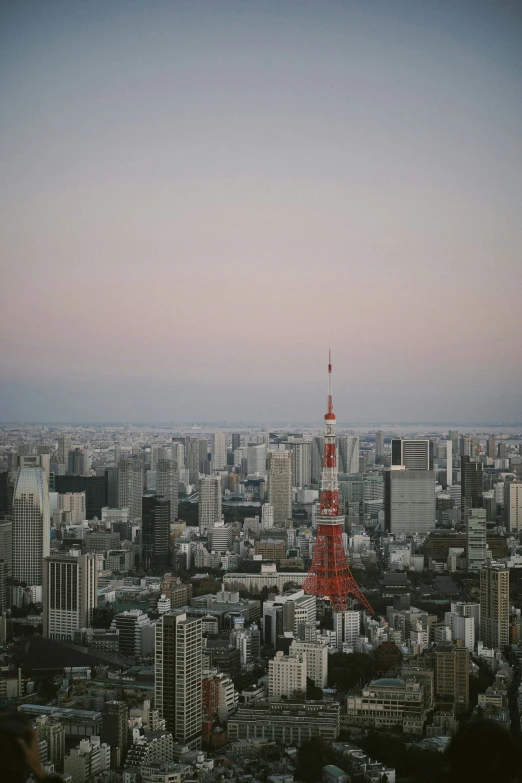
(199, 198)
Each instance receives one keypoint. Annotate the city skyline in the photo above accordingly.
(191, 190)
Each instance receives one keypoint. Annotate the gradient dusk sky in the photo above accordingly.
(198, 199)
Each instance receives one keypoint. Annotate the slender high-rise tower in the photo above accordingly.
(330, 576)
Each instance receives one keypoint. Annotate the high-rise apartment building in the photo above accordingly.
(477, 545)
(317, 458)
(193, 448)
(409, 501)
(218, 450)
(347, 454)
(411, 453)
(178, 453)
(73, 504)
(178, 669)
(52, 730)
(449, 462)
(115, 730)
(79, 462)
(267, 516)
(494, 606)
(69, 594)
(130, 485)
(158, 452)
(462, 629)
(6, 544)
(167, 484)
(287, 675)
(31, 530)
(352, 454)
(220, 537)
(280, 486)
(471, 486)
(301, 452)
(513, 506)
(256, 458)
(453, 436)
(452, 675)
(491, 448)
(209, 501)
(315, 653)
(379, 444)
(64, 447)
(347, 627)
(155, 533)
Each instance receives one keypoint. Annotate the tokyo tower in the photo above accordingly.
(329, 575)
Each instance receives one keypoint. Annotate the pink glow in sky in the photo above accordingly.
(199, 198)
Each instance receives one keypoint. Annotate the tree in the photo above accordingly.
(313, 755)
(346, 670)
(313, 692)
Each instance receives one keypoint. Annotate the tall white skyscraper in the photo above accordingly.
(69, 594)
(167, 484)
(218, 450)
(130, 485)
(280, 486)
(209, 501)
(178, 668)
(31, 531)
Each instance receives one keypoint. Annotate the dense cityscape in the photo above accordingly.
(249, 605)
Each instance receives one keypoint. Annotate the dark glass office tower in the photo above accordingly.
(155, 532)
(471, 486)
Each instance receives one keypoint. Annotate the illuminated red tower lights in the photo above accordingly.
(329, 575)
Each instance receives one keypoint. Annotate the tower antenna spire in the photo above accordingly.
(330, 403)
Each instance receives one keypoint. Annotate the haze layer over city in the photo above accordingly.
(260, 391)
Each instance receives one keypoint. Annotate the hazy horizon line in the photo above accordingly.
(279, 424)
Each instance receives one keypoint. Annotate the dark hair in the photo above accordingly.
(482, 751)
(14, 726)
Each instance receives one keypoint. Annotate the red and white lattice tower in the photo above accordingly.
(329, 575)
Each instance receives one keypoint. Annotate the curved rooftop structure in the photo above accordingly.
(389, 682)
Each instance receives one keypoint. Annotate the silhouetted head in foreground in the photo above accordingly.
(19, 752)
(483, 752)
